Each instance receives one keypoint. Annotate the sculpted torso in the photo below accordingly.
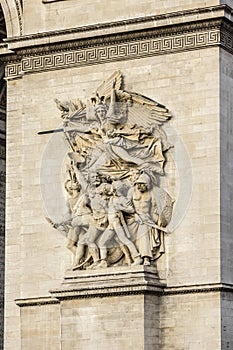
(116, 155)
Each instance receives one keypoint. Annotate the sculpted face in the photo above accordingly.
(101, 112)
(142, 187)
(115, 157)
(94, 179)
(72, 187)
(105, 189)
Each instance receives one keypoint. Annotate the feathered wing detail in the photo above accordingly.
(76, 105)
(105, 88)
(71, 110)
(90, 111)
(145, 112)
(63, 106)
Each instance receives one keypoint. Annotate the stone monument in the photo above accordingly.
(119, 141)
(116, 216)
(116, 211)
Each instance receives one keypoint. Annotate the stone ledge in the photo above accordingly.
(112, 273)
(96, 38)
(201, 288)
(121, 47)
(36, 301)
(122, 26)
(121, 40)
(108, 282)
(72, 289)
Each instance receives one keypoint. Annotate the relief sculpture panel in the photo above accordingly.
(117, 212)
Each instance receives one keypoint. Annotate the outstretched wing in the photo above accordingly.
(76, 105)
(105, 88)
(71, 110)
(145, 112)
(77, 110)
(63, 106)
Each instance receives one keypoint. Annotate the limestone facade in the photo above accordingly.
(178, 53)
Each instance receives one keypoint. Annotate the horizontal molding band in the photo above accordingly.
(153, 41)
(106, 292)
(114, 38)
(196, 289)
(113, 52)
(128, 24)
(66, 294)
(37, 301)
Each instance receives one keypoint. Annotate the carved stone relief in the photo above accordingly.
(117, 213)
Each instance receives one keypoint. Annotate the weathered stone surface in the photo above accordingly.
(59, 15)
(110, 281)
(114, 307)
(193, 80)
(195, 240)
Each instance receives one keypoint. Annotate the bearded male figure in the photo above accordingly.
(148, 222)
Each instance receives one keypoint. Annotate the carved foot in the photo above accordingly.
(128, 262)
(146, 261)
(94, 265)
(102, 264)
(137, 261)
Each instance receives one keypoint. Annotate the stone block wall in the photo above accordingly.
(13, 215)
(42, 17)
(227, 315)
(183, 69)
(226, 132)
(2, 217)
(40, 327)
(37, 249)
(115, 322)
(195, 122)
(190, 322)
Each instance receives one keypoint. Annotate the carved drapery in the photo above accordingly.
(117, 213)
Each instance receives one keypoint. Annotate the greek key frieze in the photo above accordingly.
(116, 51)
(13, 70)
(226, 39)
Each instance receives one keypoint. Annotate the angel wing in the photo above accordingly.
(90, 111)
(71, 110)
(145, 112)
(76, 105)
(62, 106)
(105, 88)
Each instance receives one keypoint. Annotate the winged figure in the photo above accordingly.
(115, 136)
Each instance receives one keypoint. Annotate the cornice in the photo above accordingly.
(165, 19)
(36, 301)
(197, 289)
(106, 292)
(123, 37)
(226, 35)
(61, 294)
(122, 40)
